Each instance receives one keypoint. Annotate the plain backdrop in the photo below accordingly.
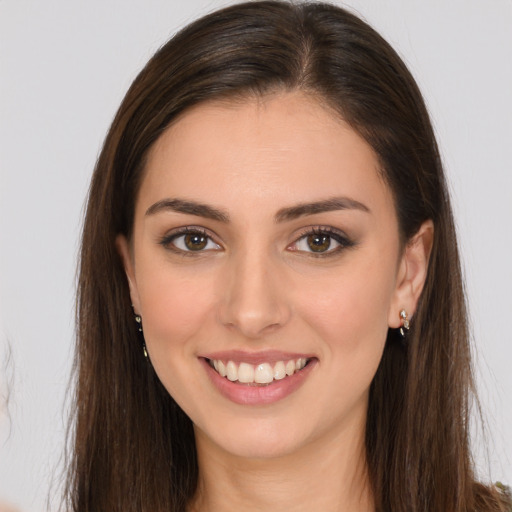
(64, 67)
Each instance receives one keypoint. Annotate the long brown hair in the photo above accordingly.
(133, 447)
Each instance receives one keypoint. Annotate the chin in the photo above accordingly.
(260, 441)
(258, 448)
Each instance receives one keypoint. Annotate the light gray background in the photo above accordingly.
(64, 67)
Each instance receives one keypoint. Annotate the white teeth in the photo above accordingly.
(263, 373)
(245, 373)
(231, 371)
(221, 368)
(279, 370)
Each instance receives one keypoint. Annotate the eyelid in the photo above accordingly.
(336, 234)
(170, 236)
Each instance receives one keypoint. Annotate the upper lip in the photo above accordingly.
(265, 356)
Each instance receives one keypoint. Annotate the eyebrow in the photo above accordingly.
(283, 215)
(328, 205)
(188, 207)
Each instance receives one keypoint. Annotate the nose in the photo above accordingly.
(254, 295)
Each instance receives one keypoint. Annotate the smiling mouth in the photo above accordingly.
(261, 374)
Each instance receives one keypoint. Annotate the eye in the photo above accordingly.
(317, 243)
(190, 240)
(321, 241)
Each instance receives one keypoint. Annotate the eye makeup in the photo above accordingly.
(313, 241)
(321, 242)
(189, 241)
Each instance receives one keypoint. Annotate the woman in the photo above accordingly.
(271, 311)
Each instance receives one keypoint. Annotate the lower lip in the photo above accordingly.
(246, 394)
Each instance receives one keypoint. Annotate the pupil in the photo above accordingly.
(195, 242)
(319, 243)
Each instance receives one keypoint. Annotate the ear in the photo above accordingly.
(124, 250)
(412, 273)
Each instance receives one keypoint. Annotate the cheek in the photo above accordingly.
(176, 312)
(349, 307)
(348, 315)
(176, 305)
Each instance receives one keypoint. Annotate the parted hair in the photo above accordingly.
(132, 446)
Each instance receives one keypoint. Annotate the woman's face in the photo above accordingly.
(266, 244)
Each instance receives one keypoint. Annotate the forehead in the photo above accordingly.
(284, 148)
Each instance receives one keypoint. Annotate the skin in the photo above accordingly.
(258, 286)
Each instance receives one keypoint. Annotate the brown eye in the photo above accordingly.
(319, 242)
(189, 241)
(195, 241)
(322, 241)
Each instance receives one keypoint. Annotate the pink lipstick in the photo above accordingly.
(257, 378)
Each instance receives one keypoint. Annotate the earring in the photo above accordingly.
(138, 319)
(405, 323)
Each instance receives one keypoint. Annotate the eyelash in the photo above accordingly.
(338, 236)
(168, 241)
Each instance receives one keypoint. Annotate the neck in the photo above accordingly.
(328, 476)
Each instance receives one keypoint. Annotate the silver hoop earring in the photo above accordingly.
(404, 328)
